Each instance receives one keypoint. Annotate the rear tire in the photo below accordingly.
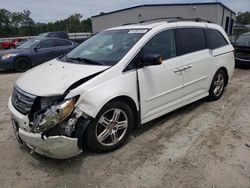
(22, 64)
(111, 127)
(217, 86)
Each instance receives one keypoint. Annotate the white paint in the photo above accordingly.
(162, 89)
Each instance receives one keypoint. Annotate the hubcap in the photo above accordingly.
(218, 85)
(111, 127)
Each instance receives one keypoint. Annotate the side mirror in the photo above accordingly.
(36, 48)
(151, 59)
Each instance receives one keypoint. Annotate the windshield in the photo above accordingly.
(28, 44)
(243, 40)
(107, 47)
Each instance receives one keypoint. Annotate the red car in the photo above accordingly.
(9, 44)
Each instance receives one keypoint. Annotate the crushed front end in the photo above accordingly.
(50, 126)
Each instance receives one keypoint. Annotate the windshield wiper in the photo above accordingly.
(85, 60)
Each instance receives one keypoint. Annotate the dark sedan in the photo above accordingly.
(34, 52)
(242, 50)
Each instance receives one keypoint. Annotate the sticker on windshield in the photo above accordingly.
(137, 31)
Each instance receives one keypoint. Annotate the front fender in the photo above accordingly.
(92, 100)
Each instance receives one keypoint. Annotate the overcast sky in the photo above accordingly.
(51, 10)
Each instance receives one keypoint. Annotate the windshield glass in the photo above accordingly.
(107, 47)
(243, 40)
(28, 44)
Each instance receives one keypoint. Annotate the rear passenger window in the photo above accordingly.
(215, 39)
(163, 44)
(191, 40)
(46, 44)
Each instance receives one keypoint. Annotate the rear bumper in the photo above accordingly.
(59, 147)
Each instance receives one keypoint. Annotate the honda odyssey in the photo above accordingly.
(117, 80)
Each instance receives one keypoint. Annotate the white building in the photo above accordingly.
(215, 12)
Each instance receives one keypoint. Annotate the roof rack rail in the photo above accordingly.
(195, 19)
(171, 19)
(162, 18)
(130, 23)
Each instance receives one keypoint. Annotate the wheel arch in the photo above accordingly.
(123, 98)
(133, 106)
(23, 56)
(224, 69)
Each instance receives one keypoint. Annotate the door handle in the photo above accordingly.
(179, 70)
(183, 69)
(188, 67)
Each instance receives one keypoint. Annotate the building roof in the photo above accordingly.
(173, 4)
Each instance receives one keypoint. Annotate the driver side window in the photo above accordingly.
(163, 44)
(46, 44)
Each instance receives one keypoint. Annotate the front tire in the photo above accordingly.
(22, 64)
(217, 86)
(111, 127)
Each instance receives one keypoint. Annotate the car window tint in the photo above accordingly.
(61, 43)
(46, 44)
(191, 40)
(215, 39)
(163, 44)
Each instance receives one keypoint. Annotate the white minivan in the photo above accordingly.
(117, 80)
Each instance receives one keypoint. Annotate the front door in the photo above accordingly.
(160, 85)
(43, 52)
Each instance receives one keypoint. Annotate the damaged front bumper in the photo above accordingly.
(59, 147)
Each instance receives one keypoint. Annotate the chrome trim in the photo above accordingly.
(22, 101)
(239, 59)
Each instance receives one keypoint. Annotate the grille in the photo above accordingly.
(22, 101)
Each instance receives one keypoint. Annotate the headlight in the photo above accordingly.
(7, 56)
(54, 115)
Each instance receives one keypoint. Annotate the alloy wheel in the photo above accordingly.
(218, 84)
(111, 127)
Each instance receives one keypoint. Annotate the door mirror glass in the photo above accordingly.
(151, 59)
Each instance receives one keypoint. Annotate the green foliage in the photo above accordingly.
(243, 18)
(21, 24)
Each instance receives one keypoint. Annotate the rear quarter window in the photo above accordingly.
(215, 39)
(191, 40)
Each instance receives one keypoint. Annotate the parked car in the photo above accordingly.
(117, 80)
(242, 50)
(55, 34)
(34, 52)
(9, 44)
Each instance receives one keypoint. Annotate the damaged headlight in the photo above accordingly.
(54, 115)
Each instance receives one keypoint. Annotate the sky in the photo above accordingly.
(52, 10)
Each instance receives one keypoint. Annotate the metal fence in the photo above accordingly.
(72, 36)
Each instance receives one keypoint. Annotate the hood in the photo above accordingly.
(12, 51)
(55, 77)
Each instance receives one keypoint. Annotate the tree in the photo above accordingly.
(87, 25)
(21, 24)
(243, 18)
(4, 22)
